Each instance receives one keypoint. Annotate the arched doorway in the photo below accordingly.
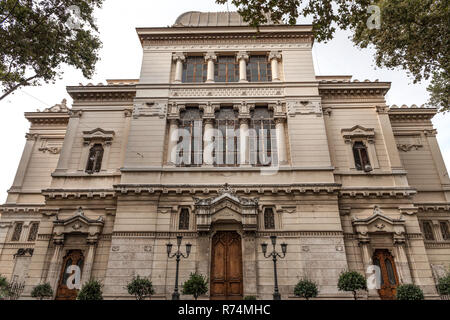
(226, 266)
(73, 258)
(389, 276)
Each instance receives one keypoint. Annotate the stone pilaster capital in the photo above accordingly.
(75, 113)
(382, 109)
(244, 120)
(430, 132)
(210, 56)
(275, 55)
(209, 110)
(242, 55)
(208, 121)
(173, 121)
(58, 240)
(178, 56)
(279, 120)
(31, 136)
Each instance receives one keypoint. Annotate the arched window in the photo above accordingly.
(259, 69)
(226, 69)
(361, 156)
(194, 69)
(94, 163)
(269, 219)
(428, 230)
(444, 230)
(183, 221)
(190, 150)
(17, 231)
(33, 231)
(262, 138)
(226, 145)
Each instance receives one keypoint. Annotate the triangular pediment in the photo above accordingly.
(358, 131)
(378, 222)
(98, 133)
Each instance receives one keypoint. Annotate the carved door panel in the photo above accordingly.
(73, 257)
(226, 267)
(389, 276)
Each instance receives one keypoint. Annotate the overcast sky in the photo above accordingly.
(121, 58)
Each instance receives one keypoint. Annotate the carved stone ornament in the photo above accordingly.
(24, 252)
(408, 147)
(304, 107)
(150, 109)
(358, 132)
(61, 107)
(98, 134)
(52, 150)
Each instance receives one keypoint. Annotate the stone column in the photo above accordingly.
(210, 58)
(173, 140)
(244, 141)
(242, 58)
(208, 143)
(89, 261)
(23, 164)
(401, 260)
(178, 58)
(274, 58)
(281, 140)
(53, 270)
(364, 244)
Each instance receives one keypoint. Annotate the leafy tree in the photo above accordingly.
(42, 291)
(38, 37)
(413, 34)
(409, 292)
(140, 288)
(196, 285)
(4, 287)
(91, 290)
(444, 285)
(306, 288)
(250, 298)
(352, 281)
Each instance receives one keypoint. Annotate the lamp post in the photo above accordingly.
(178, 254)
(275, 255)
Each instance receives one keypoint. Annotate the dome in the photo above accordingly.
(209, 19)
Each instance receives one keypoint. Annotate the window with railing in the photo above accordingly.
(259, 69)
(194, 69)
(226, 69)
(262, 138)
(190, 143)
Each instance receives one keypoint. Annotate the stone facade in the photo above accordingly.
(332, 214)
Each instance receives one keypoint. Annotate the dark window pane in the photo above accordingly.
(444, 230)
(194, 70)
(390, 271)
(428, 230)
(269, 219)
(183, 223)
(17, 231)
(33, 231)
(95, 159)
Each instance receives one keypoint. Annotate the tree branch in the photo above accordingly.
(17, 86)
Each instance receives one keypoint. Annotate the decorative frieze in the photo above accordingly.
(150, 109)
(227, 92)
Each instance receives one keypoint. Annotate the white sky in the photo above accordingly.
(121, 58)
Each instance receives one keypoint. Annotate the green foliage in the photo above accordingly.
(306, 288)
(38, 37)
(42, 291)
(140, 288)
(352, 281)
(4, 287)
(250, 298)
(196, 285)
(409, 292)
(91, 290)
(444, 285)
(413, 34)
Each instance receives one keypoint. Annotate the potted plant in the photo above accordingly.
(91, 290)
(4, 288)
(306, 288)
(352, 281)
(196, 285)
(140, 288)
(42, 291)
(444, 285)
(409, 292)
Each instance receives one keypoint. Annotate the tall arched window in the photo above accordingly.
(428, 230)
(33, 231)
(444, 230)
(259, 69)
(183, 221)
(269, 219)
(262, 138)
(94, 163)
(17, 231)
(194, 70)
(361, 156)
(226, 145)
(190, 150)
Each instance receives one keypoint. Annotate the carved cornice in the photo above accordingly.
(374, 193)
(15, 209)
(433, 207)
(411, 114)
(78, 194)
(336, 89)
(103, 93)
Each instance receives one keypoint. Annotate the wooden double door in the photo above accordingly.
(226, 266)
(73, 257)
(389, 277)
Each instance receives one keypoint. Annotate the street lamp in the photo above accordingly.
(274, 254)
(178, 254)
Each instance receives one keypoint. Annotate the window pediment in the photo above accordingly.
(358, 132)
(78, 223)
(98, 134)
(379, 223)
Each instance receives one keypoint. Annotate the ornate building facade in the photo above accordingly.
(228, 137)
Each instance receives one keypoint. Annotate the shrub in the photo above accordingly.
(306, 289)
(352, 281)
(409, 292)
(444, 285)
(196, 285)
(91, 290)
(42, 291)
(4, 287)
(140, 288)
(250, 298)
